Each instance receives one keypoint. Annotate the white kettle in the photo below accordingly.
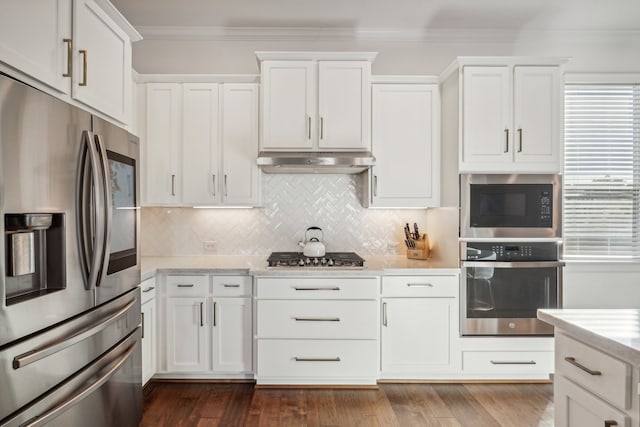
(313, 247)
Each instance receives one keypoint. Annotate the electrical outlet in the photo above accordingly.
(209, 245)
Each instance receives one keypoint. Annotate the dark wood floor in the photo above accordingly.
(477, 405)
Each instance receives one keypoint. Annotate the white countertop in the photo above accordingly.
(221, 264)
(615, 331)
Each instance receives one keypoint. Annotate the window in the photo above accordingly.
(602, 171)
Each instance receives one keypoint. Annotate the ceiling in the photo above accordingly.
(422, 15)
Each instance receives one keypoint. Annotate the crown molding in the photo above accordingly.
(441, 36)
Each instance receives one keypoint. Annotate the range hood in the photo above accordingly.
(351, 162)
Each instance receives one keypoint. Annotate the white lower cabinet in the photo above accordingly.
(207, 326)
(419, 326)
(593, 388)
(149, 339)
(317, 330)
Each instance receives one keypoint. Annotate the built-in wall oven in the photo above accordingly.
(505, 283)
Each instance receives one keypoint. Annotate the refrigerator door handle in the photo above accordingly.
(90, 219)
(106, 208)
(46, 417)
(33, 356)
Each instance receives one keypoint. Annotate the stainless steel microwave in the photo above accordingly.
(510, 206)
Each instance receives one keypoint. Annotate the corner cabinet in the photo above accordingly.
(81, 49)
(510, 114)
(201, 144)
(405, 137)
(315, 100)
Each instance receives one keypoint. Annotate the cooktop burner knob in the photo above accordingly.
(307, 261)
(315, 261)
(323, 261)
(330, 262)
(301, 263)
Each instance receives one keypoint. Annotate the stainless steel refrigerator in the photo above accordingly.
(69, 265)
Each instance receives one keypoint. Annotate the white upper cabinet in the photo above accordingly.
(81, 49)
(315, 101)
(511, 118)
(35, 38)
(406, 144)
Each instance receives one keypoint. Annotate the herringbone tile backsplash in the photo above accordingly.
(291, 204)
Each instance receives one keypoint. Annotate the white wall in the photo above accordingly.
(602, 285)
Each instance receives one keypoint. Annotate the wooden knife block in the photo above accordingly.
(421, 251)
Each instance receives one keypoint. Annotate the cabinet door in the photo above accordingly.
(344, 104)
(162, 144)
(577, 407)
(232, 335)
(102, 61)
(406, 144)
(32, 35)
(288, 105)
(186, 335)
(487, 138)
(148, 340)
(200, 144)
(537, 118)
(416, 335)
(240, 180)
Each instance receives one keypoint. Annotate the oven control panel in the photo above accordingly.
(512, 251)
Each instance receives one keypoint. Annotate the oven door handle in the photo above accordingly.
(517, 264)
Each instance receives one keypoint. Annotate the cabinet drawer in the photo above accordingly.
(599, 372)
(231, 286)
(187, 285)
(147, 290)
(317, 319)
(318, 361)
(317, 288)
(420, 286)
(507, 362)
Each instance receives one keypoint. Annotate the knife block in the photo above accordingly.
(421, 251)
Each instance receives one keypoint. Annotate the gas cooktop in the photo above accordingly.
(330, 260)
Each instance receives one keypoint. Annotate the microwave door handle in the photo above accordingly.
(90, 219)
(106, 205)
(516, 264)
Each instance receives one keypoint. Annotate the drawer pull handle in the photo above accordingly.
(318, 289)
(317, 319)
(513, 362)
(384, 314)
(610, 423)
(580, 366)
(316, 359)
(149, 289)
(231, 286)
(183, 285)
(201, 314)
(420, 285)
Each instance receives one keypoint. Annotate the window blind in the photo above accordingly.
(602, 171)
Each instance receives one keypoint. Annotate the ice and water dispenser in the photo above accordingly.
(35, 251)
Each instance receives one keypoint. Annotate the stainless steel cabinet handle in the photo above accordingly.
(149, 289)
(318, 289)
(309, 127)
(226, 189)
(506, 139)
(142, 316)
(321, 127)
(316, 359)
(45, 418)
(384, 314)
(610, 423)
(513, 362)
(375, 185)
(520, 140)
(185, 285)
(173, 184)
(317, 319)
(420, 285)
(231, 285)
(580, 366)
(69, 43)
(201, 314)
(214, 313)
(34, 355)
(213, 178)
(84, 67)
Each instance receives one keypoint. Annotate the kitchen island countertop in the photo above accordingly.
(257, 265)
(616, 331)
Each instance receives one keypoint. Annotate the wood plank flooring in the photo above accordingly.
(393, 405)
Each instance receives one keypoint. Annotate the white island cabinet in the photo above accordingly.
(597, 363)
